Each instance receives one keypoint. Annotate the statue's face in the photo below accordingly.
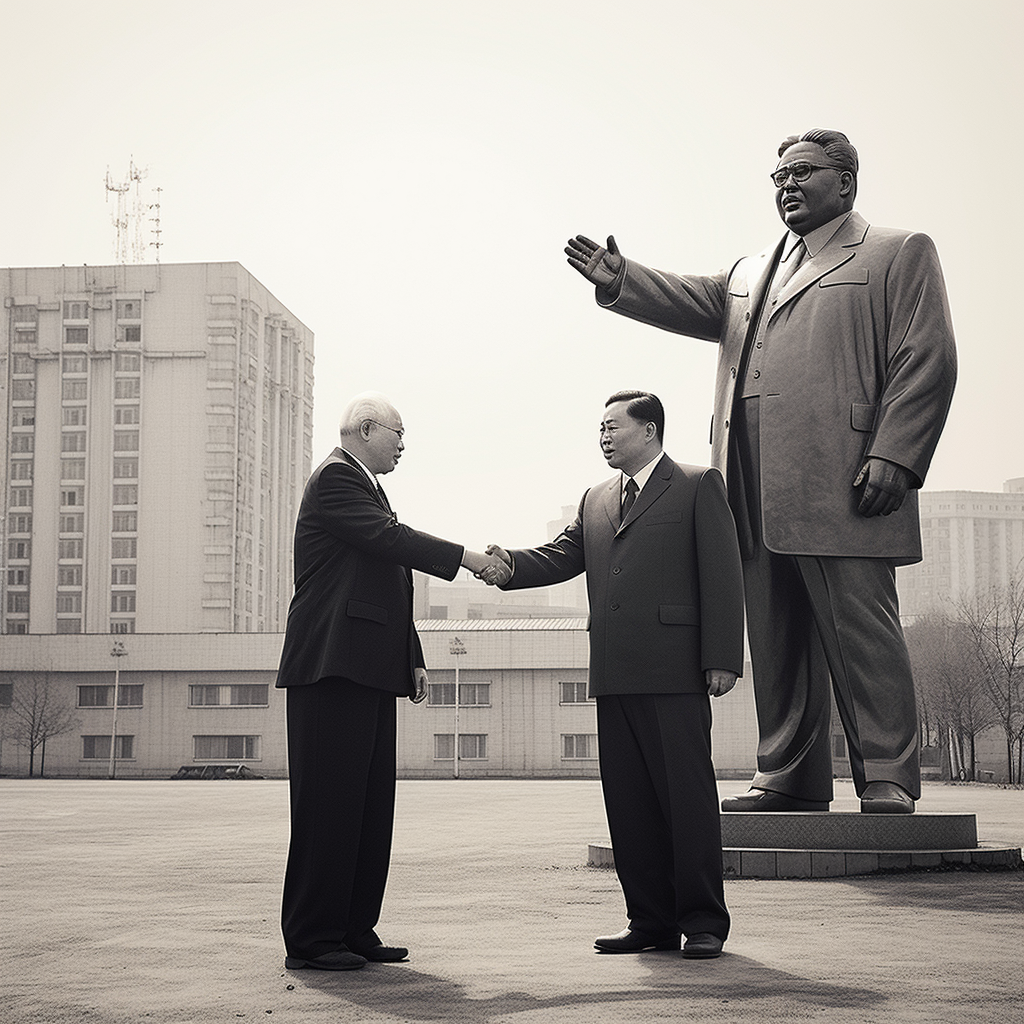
(824, 195)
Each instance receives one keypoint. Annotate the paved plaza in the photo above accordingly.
(157, 903)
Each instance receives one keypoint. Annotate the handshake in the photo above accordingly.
(494, 566)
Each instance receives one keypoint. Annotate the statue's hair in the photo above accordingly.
(643, 407)
(836, 145)
(369, 405)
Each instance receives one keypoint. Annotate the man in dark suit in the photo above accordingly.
(836, 370)
(350, 649)
(659, 548)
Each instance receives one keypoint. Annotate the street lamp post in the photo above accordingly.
(456, 648)
(117, 653)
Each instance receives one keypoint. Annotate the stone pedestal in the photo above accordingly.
(835, 844)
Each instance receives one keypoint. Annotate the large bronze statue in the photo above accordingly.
(835, 373)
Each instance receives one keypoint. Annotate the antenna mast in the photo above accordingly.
(131, 211)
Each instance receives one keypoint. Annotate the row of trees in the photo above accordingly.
(969, 669)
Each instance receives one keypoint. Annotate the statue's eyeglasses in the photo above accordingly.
(801, 170)
(400, 433)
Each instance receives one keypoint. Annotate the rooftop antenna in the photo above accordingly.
(131, 210)
(156, 229)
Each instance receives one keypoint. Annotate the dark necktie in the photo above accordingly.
(627, 502)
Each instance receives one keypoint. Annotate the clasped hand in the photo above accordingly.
(885, 486)
(494, 567)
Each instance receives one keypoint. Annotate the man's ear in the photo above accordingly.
(845, 183)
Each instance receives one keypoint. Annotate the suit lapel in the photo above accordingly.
(349, 459)
(840, 249)
(652, 490)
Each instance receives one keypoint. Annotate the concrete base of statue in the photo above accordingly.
(833, 844)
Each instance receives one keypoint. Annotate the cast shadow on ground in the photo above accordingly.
(403, 992)
(967, 892)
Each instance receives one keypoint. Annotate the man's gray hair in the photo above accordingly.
(836, 145)
(370, 405)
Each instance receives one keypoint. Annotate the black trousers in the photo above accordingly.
(341, 762)
(816, 623)
(662, 805)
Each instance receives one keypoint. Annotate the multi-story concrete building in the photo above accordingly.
(159, 434)
(972, 541)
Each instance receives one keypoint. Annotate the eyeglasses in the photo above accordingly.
(801, 170)
(400, 433)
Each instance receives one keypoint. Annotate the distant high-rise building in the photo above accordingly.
(972, 541)
(159, 431)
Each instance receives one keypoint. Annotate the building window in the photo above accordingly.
(23, 390)
(17, 602)
(22, 442)
(70, 547)
(228, 695)
(97, 748)
(129, 335)
(475, 695)
(71, 522)
(122, 602)
(126, 414)
(577, 746)
(126, 468)
(22, 363)
(129, 309)
(103, 697)
(72, 469)
(26, 314)
(76, 310)
(23, 416)
(21, 497)
(444, 746)
(21, 469)
(126, 441)
(123, 575)
(68, 603)
(122, 626)
(225, 748)
(69, 575)
(127, 362)
(123, 547)
(74, 390)
(76, 335)
(24, 337)
(125, 522)
(472, 746)
(18, 577)
(73, 415)
(442, 694)
(72, 496)
(21, 522)
(6, 695)
(19, 549)
(69, 625)
(73, 441)
(126, 387)
(573, 693)
(75, 363)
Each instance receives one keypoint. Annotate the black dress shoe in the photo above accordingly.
(631, 941)
(337, 960)
(702, 946)
(885, 798)
(769, 800)
(381, 954)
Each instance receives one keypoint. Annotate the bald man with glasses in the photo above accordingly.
(835, 374)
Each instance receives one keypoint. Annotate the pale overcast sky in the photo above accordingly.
(403, 176)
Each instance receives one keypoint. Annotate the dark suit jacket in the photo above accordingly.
(665, 586)
(860, 361)
(351, 614)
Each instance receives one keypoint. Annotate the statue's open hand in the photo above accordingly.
(599, 265)
(885, 486)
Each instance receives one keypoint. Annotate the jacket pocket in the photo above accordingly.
(362, 610)
(862, 417)
(845, 275)
(678, 615)
(655, 518)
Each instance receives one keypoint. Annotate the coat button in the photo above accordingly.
(746, 316)
(732, 370)
(757, 373)
(616, 570)
(726, 424)
(615, 606)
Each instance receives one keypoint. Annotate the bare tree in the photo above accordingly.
(953, 704)
(995, 623)
(39, 712)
